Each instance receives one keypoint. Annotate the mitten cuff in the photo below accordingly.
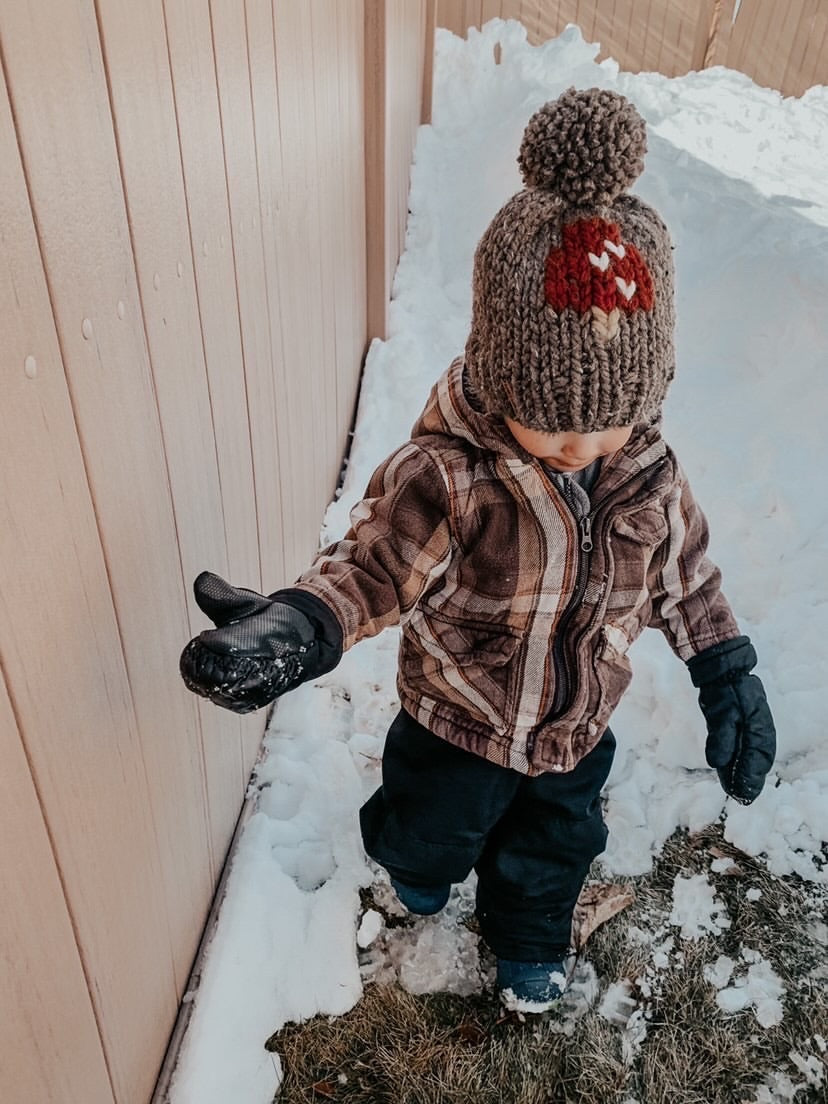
(326, 626)
(722, 662)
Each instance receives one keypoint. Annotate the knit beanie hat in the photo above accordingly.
(573, 314)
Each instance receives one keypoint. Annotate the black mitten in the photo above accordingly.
(741, 738)
(261, 646)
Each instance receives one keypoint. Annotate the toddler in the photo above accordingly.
(533, 525)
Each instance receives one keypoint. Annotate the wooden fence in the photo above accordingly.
(185, 310)
(780, 45)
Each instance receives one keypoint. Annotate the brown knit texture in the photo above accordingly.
(607, 359)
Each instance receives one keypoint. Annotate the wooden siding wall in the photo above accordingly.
(398, 64)
(184, 310)
(779, 45)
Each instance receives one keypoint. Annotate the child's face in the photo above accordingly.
(569, 451)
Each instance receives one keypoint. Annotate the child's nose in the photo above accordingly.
(577, 456)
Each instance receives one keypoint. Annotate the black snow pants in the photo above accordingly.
(442, 811)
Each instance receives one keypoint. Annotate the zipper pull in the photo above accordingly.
(586, 533)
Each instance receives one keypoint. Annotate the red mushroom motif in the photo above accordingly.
(594, 272)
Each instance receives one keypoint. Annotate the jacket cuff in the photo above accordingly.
(722, 662)
(326, 626)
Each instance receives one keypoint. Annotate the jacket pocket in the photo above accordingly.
(646, 527)
(612, 675)
(632, 542)
(473, 643)
(466, 664)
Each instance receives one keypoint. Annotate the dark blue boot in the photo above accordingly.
(530, 986)
(424, 900)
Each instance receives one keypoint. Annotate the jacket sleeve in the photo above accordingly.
(399, 544)
(685, 585)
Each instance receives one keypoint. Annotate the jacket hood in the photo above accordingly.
(453, 410)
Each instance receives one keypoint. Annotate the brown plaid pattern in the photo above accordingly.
(464, 540)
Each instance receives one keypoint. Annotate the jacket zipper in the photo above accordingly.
(560, 662)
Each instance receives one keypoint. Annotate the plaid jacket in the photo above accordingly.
(514, 635)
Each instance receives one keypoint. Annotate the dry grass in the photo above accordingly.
(441, 1049)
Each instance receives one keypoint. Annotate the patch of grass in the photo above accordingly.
(442, 1049)
(437, 1049)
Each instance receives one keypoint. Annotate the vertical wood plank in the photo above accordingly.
(451, 14)
(529, 14)
(585, 18)
(290, 412)
(61, 652)
(604, 30)
(428, 60)
(350, 31)
(398, 140)
(749, 42)
(779, 32)
(303, 311)
(669, 60)
(649, 41)
(637, 36)
(340, 133)
(618, 44)
(375, 165)
(741, 33)
(134, 40)
(555, 16)
(51, 1047)
(814, 68)
(326, 172)
(355, 97)
(491, 9)
(262, 348)
(802, 26)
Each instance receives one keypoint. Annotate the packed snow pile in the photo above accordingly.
(736, 172)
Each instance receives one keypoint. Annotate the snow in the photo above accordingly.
(370, 927)
(737, 172)
(696, 909)
(720, 972)
(620, 1007)
(759, 988)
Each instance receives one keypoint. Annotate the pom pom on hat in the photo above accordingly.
(573, 302)
(586, 147)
